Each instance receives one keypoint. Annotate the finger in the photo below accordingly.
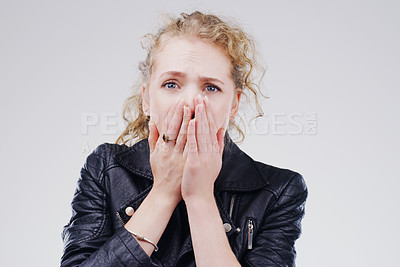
(176, 120)
(200, 131)
(182, 136)
(206, 128)
(153, 135)
(221, 140)
(211, 120)
(198, 100)
(191, 137)
(168, 118)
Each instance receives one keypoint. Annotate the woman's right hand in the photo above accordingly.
(167, 158)
(167, 161)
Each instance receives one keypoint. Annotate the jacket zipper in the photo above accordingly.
(119, 218)
(231, 205)
(250, 234)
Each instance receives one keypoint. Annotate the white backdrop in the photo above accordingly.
(333, 81)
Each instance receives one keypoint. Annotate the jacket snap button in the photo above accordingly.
(129, 211)
(227, 227)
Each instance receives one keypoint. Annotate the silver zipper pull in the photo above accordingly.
(250, 233)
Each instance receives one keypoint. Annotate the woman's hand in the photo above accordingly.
(204, 147)
(166, 158)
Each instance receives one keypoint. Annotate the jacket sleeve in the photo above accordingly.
(89, 239)
(280, 228)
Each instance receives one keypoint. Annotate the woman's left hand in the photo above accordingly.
(204, 147)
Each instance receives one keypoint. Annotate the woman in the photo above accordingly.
(186, 195)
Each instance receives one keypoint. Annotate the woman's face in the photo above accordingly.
(187, 68)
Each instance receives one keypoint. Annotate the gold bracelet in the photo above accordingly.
(142, 238)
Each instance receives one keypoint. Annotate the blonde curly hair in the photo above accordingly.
(238, 46)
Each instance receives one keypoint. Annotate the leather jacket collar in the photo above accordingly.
(239, 172)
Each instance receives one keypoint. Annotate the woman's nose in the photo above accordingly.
(190, 100)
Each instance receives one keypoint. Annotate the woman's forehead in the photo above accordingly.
(191, 55)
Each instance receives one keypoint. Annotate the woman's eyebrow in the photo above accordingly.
(183, 75)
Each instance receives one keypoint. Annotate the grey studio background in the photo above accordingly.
(333, 81)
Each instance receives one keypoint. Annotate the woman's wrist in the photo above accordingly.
(200, 200)
(149, 221)
(165, 196)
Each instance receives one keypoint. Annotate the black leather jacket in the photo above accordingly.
(261, 207)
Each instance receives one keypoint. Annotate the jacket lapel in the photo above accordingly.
(136, 159)
(239, 172)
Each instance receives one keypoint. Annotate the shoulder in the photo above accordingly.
(102, 158)
(281, 179)
(108, 150)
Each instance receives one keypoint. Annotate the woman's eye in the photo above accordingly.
(170, 85)
(212, 88)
